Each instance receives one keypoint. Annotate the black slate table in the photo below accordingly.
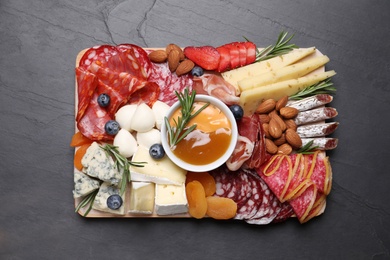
(39, 41)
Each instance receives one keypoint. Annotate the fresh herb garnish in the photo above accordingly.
(87, 200)
(122, 164)
(281, 47)
(307, 148)
(179, 131)
(323, 87)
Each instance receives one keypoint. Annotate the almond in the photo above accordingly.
(270, 146)
(288, 112)
(293, 138)
(184, 67)
(266, 130)
(173, 60)
(274, 129)
(285, 149)
(264, 118)
(266, 106)
(173, 46)
(158, 56)
(279, 120)
(291, 124)
(281, 140)
(281, 103)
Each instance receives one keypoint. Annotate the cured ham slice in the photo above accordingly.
(217, 87)
(304, 181)
(250, 148)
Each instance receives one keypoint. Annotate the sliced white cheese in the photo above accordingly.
(143, 118)
(142, 197)
(162, 171)
(83, 184)
(171, 199)
(126, 143)
(100, 202)
(250, 99)
(149, 138)
(160, 110)
(97, 164)
(234, 76)
(293, 71)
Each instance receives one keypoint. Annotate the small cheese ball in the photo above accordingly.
(147, 139)
(126, 143)
(160, 110)
(125, 115)
(143, 119)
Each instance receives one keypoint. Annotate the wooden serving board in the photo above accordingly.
(99, 214)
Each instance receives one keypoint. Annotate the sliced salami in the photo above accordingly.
(101, 55)
(311, 102)
(91, 125)
(317, 130)
(87, 83)
(148, 94)
(135, 60)
(315, 115)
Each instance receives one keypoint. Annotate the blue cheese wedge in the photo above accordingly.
(83, 184)
(170, 199)
(142, 197)
(162, 171)
(97, 164)
(100, 202)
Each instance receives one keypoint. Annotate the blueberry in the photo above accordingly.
(197, 71)
(103, 100)
(237, 111)
(111, 127)
(156, 151)
(114, 201)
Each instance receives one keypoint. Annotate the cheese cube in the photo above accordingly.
(142, 197)
(100, 202)
(162, 171)
(83, 184)
(97, 164)
(171, 199)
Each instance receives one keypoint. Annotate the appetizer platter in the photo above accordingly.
(229, 132)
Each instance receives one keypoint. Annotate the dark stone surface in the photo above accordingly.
(39, 41)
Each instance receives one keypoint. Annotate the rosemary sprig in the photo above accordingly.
(307, 148)
(323, 87)
(179, 131)
(87, 200)
(281, 47)
(122, 164)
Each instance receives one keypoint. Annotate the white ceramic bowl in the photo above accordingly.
(206, 167)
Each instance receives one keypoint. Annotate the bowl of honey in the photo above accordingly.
(210, 143)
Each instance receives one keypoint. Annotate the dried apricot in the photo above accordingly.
(196, 197)
(221, 208)
(78, 139)
(79, 155)
(205, 179)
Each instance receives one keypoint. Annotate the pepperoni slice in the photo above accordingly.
(91, 125)
(101, 54)
(148, 94)
(136, 53)
(86, 85)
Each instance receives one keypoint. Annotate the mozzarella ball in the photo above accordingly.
(149, 138)
(160, 110)
(125, 115)
(143, 119)
(126, 143)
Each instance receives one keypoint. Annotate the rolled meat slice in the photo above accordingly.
(315, 115)
(317, 130)
(311, 102)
